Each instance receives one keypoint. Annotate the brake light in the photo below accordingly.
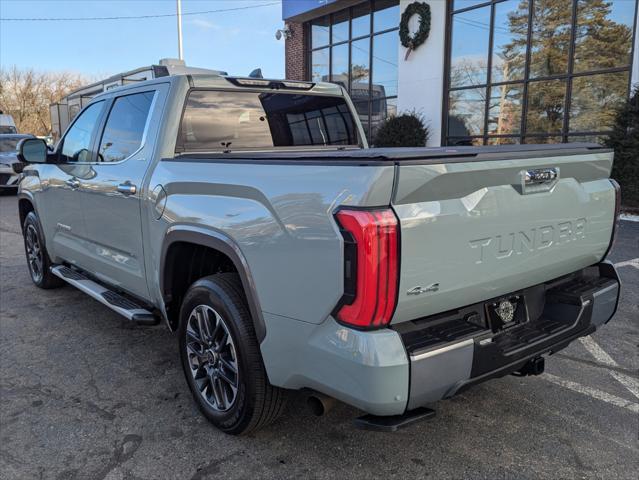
(371, 270)
(615, 223)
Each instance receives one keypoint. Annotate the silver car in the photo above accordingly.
(9, 164)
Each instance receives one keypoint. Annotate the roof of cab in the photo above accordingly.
(239, 83)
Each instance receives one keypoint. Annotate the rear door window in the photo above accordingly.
(215, 121)
(124, 129)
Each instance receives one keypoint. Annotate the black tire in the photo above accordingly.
(255, 403)
(38, 260)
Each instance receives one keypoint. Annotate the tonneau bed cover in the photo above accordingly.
(427, 155)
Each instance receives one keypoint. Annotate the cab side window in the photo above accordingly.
(76, 146)
(124, 128)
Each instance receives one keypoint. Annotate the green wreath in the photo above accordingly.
(413, 41)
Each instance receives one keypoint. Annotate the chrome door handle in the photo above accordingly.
(73, 183)
(127, 188)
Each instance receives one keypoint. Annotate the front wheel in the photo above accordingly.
(37, 256)
(221, 357)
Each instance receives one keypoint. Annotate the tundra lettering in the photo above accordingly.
(504, 245)
(250, 218)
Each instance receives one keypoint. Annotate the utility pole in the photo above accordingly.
(179, 28)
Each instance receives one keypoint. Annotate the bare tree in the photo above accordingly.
(26, 95)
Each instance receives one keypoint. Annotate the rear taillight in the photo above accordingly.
(615, 223)
(371, 267)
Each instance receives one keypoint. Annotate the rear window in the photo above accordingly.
(215, 120)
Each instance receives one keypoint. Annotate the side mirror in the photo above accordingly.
(32, 150)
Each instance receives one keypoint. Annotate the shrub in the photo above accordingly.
(624, 139)
(406, 130)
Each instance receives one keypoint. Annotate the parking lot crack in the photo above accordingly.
(213, 467)
(593, 363)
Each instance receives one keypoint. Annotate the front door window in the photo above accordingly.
(76, 145)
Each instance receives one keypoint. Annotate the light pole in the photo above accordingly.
(179, 29)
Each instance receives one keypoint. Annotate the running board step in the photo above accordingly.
(116, 302)
(394, 422)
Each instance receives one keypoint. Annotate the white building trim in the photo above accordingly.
(421, 76)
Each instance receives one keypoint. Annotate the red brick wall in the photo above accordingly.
(295, 52)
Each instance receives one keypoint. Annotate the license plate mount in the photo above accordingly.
(506, 312)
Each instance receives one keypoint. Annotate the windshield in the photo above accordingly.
(215, 120)
(7, 129)
(9, 144)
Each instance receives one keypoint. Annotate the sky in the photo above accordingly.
(235, 41)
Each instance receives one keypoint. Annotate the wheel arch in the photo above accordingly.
(25, 205)
(219, 242)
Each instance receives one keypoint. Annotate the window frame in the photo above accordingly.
(105, 119)
(568, 76)
(60, 145)
(309, 49)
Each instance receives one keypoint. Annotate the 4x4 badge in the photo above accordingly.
(418, 290)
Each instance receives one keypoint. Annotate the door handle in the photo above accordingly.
(127, 188)
(73, 183)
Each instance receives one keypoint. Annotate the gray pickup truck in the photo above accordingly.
(250, 216)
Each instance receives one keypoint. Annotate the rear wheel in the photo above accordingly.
(221, 357)
(37, 257)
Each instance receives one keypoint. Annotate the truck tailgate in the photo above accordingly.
(475, 229)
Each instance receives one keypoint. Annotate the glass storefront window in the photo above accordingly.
(503, 141)
(600, 139)
(603, 35)
(319, 65)
(362, 57)
(339, 33)
(381, 109)
(504, 109)
(385, 48)
(361, 21)
(545, 112)
(469, 54)
(466, 112)
(538, 92)
(550, 37)
(319, 32)
(386, 15)
(459, 4)
(466, 142)
(509, 41)
(544, 140)
(594, 101)
(339, 65)
(360, 68)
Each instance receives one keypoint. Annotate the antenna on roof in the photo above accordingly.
(257, 73)
(179, 29)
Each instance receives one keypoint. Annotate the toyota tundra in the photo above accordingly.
(251, 218)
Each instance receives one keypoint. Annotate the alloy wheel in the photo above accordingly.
(212, 358)
(34, 253)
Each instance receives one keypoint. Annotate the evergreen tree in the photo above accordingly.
(625, 141)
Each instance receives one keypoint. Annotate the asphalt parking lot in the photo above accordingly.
(84, 396)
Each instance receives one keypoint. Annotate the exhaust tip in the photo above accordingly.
(315, 406)
(319, 404)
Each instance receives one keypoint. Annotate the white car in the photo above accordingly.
(7, 125)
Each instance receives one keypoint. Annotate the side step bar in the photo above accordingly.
(116, 302)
